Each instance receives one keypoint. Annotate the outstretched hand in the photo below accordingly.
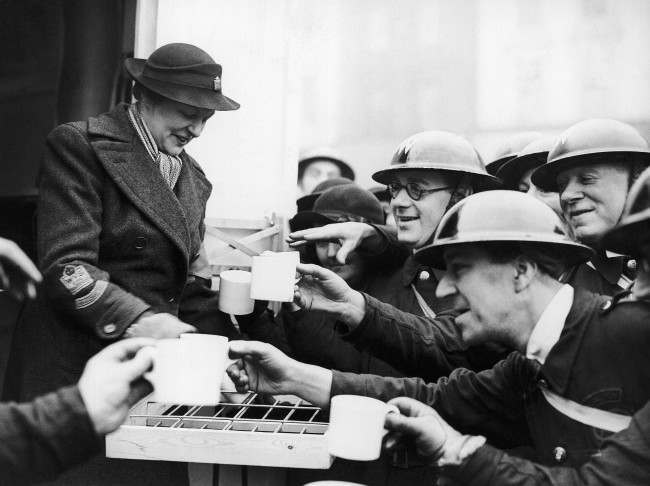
(350, 235)
(418, 427)
(321, 289)
(18, 274)
(112, 382)
(260, 367)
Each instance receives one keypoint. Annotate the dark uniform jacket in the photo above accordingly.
(600, 360)
(114, 240)
(624, 460)
(39, 440)
(603, 275)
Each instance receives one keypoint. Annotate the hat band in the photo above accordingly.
(183, 78)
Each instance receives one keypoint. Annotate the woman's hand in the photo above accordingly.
(351, 235)
(158, 326)
(18, 274)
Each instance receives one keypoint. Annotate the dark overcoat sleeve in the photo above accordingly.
(416, 345)
(624, 460)
(69, 232)
(490, 403)
(40, 439)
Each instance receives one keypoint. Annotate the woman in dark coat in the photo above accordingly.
(120, 223)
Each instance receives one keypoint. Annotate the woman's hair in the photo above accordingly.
(144, 94)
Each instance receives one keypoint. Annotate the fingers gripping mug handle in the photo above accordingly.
(390, 409)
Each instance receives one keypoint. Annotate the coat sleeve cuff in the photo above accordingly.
(479, 469)
(73, 439)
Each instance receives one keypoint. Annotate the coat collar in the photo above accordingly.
(411, 270)
(125, 159)
(560, 360)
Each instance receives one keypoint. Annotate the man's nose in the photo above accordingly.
(572, 192)
(445, 287)
(401, 199)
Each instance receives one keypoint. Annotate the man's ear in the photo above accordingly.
(525, 271)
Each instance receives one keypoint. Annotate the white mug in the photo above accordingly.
(189, 370)
(357, 427)
(234, 292)
(274, 276)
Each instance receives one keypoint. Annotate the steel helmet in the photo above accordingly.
(324, 153)
(630, 231)
(441, 151)
(582, 142)
(501, 216)
(509, 149)
(532, 155)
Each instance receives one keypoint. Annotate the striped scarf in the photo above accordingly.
(170, 165)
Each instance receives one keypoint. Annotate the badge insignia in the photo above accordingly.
(217, 83)
(75, 278)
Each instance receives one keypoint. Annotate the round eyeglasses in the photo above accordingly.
(413, 190)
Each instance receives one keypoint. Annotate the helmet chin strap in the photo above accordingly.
(462, 189)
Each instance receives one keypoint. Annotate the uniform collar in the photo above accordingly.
(411, 270)
(548, 328)
(560, 361)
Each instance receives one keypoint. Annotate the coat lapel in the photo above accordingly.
(128, 164)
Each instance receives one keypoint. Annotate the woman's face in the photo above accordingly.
(351, 272)
(174, 124)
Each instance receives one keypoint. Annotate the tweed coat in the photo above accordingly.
(114, 240)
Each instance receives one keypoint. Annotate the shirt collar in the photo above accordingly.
(550, 324)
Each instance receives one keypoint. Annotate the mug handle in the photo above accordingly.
(390, 409)
(149, 374)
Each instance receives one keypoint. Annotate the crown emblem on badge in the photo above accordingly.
(217, 83)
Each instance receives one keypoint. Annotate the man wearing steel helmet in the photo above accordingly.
(624, 458)
(509, 149)
(503, 265)
(429, 172)
(516, 172)
(592, 166)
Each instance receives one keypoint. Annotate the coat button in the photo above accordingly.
(631, 264)
(606, 305)
(171, 300)
(110, 328)
(559, 454)
(542, 383)
(140, 243)
(424, 275)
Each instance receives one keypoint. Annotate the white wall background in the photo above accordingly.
(362, 75)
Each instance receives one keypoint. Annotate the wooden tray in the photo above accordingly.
(244, 432)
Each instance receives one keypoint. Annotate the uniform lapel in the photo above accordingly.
(128, 164)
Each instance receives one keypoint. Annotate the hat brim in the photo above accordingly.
(306, 203)
(346, 170)
(433, 254)
(189, 95)
(308, 219)
(513, 170)
(480, 181)
(625, 237)
(493, 167)
(545, 176)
